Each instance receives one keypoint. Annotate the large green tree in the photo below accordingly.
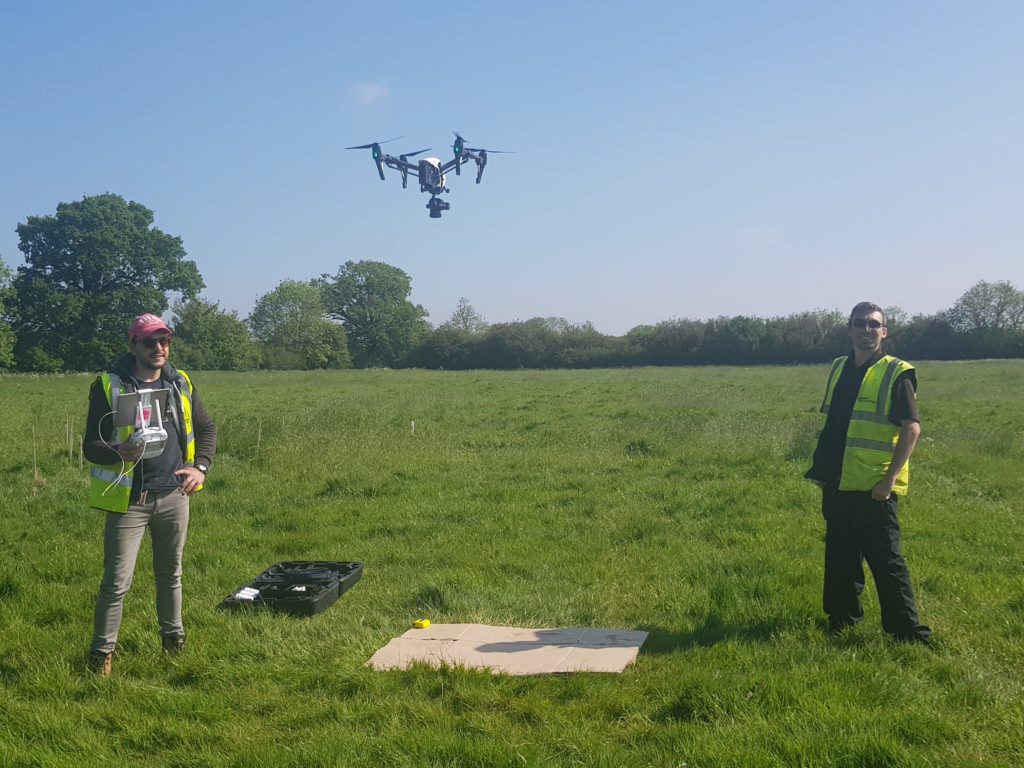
(6, 333)
(988, 306)
(294, 330)
(371, 299)
(206, 337)
(88, 270)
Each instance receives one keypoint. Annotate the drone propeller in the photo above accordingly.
(413, 154)
(490, 151)
(375, 151)
(375, 143)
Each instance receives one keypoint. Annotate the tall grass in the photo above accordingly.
(663, 499)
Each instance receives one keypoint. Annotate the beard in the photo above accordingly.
(149, 365)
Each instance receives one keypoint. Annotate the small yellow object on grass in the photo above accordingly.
(421, 623)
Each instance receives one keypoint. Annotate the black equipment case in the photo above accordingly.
(300, 588)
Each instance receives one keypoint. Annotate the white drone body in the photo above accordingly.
(432, 176)
(152, 437)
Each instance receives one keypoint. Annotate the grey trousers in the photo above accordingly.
(166, 516)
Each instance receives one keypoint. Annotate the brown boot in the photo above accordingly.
(100, 663)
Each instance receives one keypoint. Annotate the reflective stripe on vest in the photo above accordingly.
(871, 438)
(830, 386)
(871, 445)
(109, 477)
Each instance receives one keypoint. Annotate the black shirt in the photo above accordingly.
(827, 465)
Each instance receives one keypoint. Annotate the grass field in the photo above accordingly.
(669, 500)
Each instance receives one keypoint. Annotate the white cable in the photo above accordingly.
(99, 427)
(124, 472)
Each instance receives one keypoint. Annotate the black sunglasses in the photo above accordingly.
(860, 322)
(150, 343)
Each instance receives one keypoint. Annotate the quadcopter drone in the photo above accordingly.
(430, 170)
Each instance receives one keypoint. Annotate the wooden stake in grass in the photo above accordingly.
(81, 459)
(259, 438)
(35, 462)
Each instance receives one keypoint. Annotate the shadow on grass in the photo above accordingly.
(189, 678)
(253, 608)
(715, 630)
(8, 589)
(9, 674)
(429, 599)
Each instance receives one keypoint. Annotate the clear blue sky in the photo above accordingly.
(673, 159)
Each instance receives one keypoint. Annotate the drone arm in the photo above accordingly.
(481, 163)
(401, 165)
(456, 164)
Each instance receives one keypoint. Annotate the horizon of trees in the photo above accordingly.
(99, 261)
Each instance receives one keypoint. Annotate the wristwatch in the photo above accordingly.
(202, 468)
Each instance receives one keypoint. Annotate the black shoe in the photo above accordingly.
(924, 640)
(836, 628)
(913, 633)
(174, 643)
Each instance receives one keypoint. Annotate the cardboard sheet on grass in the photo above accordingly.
(512, 650)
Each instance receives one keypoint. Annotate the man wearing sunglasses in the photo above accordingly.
(861, 465)
(149, 493)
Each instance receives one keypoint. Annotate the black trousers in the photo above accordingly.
(858, 528)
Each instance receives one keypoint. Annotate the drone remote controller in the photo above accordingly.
(152, 437)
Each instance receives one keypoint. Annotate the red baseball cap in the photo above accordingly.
(146, 325)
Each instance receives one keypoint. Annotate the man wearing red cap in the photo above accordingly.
(139, 493)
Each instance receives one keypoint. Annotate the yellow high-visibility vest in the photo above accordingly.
(871, 437)
(110, 485)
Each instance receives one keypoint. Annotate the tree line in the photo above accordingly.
(99, 261)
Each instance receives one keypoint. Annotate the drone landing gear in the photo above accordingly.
(436, 206)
